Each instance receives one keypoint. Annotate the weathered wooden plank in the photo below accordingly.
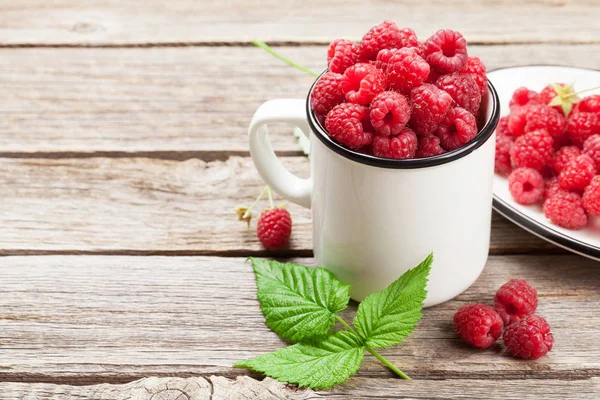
(114, 23)
(245, 388)
(153, 206)
(173, 102)
(107, 319)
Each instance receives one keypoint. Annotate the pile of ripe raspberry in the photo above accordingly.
(551, 153)
(395, 97)
(525, 335)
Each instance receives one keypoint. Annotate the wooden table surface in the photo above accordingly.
(123, 152)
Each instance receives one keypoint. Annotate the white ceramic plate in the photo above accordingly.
(586, 241)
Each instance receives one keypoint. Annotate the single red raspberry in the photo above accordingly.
(514, 300)
(544, 117)
(429, 145)
(327, 94)
(476, 68)
(563, 156)
(529, 338)
(526, 185)
(463, 89)
(430, 106)
(552, 187)
(548, 94)
(478, 325)
(406, 70)
(383, 58)
(523, 96)
(502, 163)
(590, 104)
(386, 35)
(581, 125)
(446, 51)
(274, 228)
(591, 197)
(389, 113)
(577, 174)
(591, 147)
(517, 121)
(362, 82)
(456, 129)
(565, 209)
(341, 54)
(532, 150)
(502, 127)
(403, 145)
(409, 39)
(345, 125)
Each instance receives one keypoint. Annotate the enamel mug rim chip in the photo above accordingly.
(411, 163)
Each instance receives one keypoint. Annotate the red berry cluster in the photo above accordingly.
(552, 158)
(395, 97)
(526, 335)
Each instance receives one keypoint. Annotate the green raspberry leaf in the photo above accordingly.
(298, 302)
(317, 363)
(386, 318)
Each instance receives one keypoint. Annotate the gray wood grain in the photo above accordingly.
(153, 206)
(91, 319)
(173, 102)
(112, 22)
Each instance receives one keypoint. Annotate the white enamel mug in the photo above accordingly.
(374, 218)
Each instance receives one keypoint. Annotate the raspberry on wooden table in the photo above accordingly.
(446, 51)
(532, 150)
(529, 338)
(544, 117)
(463, 89)
(526, 185)
(591, 197)
(523, 96)
(577, 174)
(341, 54)
(406, 70)
(386, 35)
(565, 209)
(514, 300)
(563, 156)
(274, 228)
(345, 125)
(327, 94)
(456, 129)
(476, 68)
(478, 325)
(581, 125)
(403, 145)
(591, 147)
(389, 113)
(362, 82)
(502, 164)
(430, 106)
(429, 145)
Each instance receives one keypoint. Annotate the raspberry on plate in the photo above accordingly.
(430, 106)
(590, 104)
(544, 117)
(476, 68)
(577, 174)
(274, 228)
(523, 96)
(463, 89)
(408, 37)
(565, 209)
(526, 185)
(581, 125)
(548, 94)
(552, 187)
(406, 70)
(591, 147)
(446, 51)
(532, 150)
(516, 299)
(341, 54)
(383, 58)
(529, 338)
(403, 145)
(502, 163)
(345, 125)
(517, 120)
(429, 145)
(386, 35)
(456, 129)
(478, 325)
(502, 127)
(327, 94)
(563, 156)
(389, 113)
(591, 197)
(362, 82)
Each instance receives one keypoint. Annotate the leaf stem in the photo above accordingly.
(387, 363)
(345, 324)
(269, 50)
(270, 195)
(582, 91)
(247, 213)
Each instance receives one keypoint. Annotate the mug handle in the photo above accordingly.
(288, 185)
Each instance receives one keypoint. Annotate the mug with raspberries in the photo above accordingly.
(402, 159)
